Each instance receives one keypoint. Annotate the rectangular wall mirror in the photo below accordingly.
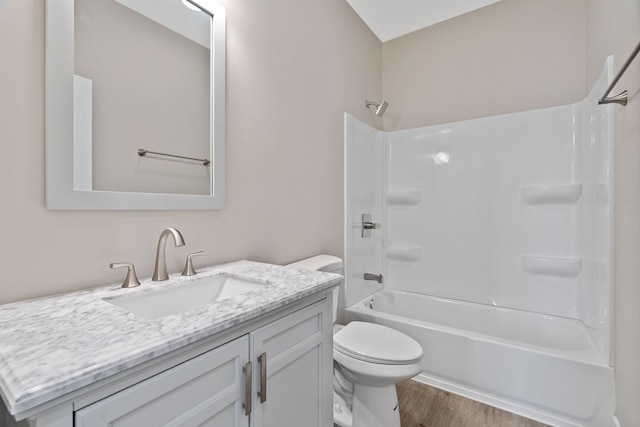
(135, 101)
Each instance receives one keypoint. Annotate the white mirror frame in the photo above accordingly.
(60, 193)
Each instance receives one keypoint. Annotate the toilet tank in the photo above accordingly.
(327, 263)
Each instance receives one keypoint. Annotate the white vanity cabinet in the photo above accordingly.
(258, 358)
(293, 379)
(204, 391)
(276, 375)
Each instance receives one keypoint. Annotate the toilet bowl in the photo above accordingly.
(369, 359)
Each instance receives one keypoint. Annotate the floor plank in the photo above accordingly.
(425, 406)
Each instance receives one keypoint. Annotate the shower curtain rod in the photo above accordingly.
(620, 98)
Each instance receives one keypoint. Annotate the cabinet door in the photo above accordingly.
(207, 390)
(298, 370)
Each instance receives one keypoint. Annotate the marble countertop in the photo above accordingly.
(54, 345)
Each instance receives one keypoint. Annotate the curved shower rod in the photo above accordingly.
(622, 97)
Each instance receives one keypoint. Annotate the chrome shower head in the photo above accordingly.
(380, 108)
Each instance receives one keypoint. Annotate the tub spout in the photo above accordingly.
(377, 277)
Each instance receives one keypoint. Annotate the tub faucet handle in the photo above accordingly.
(131, 281)
(368, 225)
(188, 266)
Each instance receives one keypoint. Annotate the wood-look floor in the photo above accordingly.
(425, 406)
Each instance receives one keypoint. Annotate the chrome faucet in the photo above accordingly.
(160, 270)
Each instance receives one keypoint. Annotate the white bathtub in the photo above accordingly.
(543, 367)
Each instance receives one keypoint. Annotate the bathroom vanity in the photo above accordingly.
(257, 357)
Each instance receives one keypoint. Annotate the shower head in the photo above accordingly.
(380, 108)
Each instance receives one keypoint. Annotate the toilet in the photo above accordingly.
(368, 360)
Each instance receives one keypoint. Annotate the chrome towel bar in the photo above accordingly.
(142, 152)
(622, 97)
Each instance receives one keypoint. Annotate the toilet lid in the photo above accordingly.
(377, 344)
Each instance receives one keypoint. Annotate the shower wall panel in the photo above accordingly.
(512, 211)
(364, 185)
(472, 227)
(594, 124)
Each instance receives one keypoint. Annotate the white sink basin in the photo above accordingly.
(155, 303)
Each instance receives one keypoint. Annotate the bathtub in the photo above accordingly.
(542, 367)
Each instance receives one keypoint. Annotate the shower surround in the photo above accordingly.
(496, 253)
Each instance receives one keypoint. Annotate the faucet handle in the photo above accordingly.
(131, 281)
(188, 266)
(368, 225)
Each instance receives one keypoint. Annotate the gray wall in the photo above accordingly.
(513, 55)
(293, 68)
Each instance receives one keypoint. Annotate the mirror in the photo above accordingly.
(135, 97)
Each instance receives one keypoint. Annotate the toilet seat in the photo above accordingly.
(375, 343)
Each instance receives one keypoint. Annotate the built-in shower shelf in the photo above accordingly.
(402, 252)
(547, 194)
(552, 265)
(404, 197)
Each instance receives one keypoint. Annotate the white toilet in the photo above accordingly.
(369, 359)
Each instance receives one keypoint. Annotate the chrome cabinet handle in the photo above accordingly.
(247, 388)
(262, 359)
